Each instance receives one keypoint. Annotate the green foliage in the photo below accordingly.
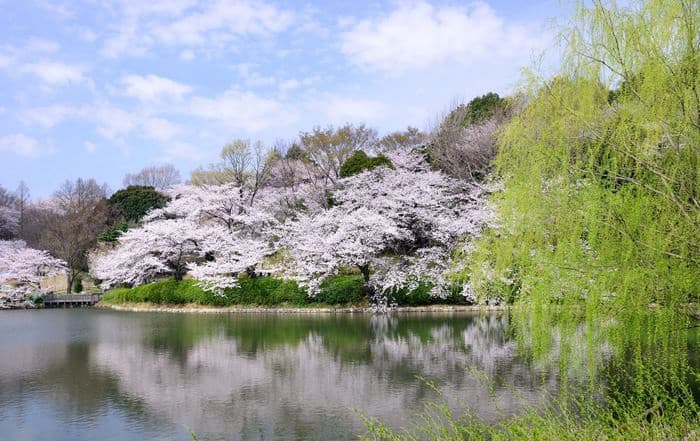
(600, 213)
(295, 152)
(359, 162)
(330, 200)
(341, 290)
(137, 200)
(78, 285)
(266, 291)
(112, 233)
(477, 110)
(269, 291)
(602, 191)
(483, 107)
(421, 296)
(641, 390)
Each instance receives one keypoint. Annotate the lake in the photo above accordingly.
(107, 375)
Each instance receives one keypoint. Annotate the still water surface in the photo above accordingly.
(107, 375)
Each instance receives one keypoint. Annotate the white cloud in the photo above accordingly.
(5, 61)
(160, 129)
(187, 55)
(89, 147)
(41, 45)
(251, 77)
(212, 25)
(242, 110)
(342, 109)
(417, 35)
(181, 150)
(86, 34)
(112, 122)
(55, 73)
(47, 116)
(153, 87)
(20, 145)
(289, 85)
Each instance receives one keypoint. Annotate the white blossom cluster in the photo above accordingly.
(397, 226)
(400, 225)
(26, 266)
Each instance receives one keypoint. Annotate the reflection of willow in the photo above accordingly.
(635, 362)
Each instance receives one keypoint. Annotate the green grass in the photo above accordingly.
(261, 291)
(269, 291)
(439, 422)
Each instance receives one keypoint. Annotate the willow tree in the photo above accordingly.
(600, 213)
(602, 196)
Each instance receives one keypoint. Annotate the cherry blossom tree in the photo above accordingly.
(396, 226)
(9, 215)
(9, 222)
(26, 265)
(160, 248)
(211, 231)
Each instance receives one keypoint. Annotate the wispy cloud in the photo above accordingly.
(243, 110)
(339, 109)
(48, 116)
(217, 24)
(54, 73)
(153, 87)
(418, 35)
(21, 145)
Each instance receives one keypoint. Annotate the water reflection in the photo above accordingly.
(87, 374)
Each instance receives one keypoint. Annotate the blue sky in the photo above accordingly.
(101, 88)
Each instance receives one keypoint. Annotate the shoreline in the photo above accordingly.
(203, 309)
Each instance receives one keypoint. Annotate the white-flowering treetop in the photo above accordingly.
(397, 226)
(209, 231)
(26, 265)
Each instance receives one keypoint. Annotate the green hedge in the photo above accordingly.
(421, 296)
(265, 291)
(268, 291)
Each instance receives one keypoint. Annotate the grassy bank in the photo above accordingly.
(593, 422)
(347, 290)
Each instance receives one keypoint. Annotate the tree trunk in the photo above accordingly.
(69, 278)
(365, 272)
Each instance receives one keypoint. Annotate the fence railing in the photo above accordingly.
(73, 298)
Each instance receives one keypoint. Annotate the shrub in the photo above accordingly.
(77, 285)
(359, 162)
(112, 233)
(422, 296)
(341, 290)
(137, 200)
(482, 108)
(265, 291)
(270, 291)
